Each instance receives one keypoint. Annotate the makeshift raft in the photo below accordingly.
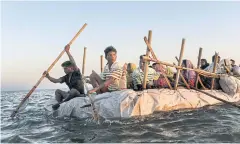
(128, 103)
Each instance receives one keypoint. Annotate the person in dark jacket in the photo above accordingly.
(73, 80)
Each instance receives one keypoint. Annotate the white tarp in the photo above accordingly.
(229, 84)
(127, 103)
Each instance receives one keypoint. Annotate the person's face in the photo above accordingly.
(183, 64)
(154, 66)
(141, 63)
(233, 62)
(202, 63)
(111, 56)
(67, 70)
(129, 68)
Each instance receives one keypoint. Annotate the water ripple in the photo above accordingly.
(215, 124)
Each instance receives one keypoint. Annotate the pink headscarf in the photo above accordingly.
(189, 75)
(161, 82)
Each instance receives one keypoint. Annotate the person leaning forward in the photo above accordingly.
(73, 80)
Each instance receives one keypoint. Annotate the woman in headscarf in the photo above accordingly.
(130, 68)
(161, 82)
(189, 75)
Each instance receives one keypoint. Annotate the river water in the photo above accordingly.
(215, 124)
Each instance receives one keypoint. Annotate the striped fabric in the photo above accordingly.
(116, 71)
(138, 75)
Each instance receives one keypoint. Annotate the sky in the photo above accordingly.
(34, 33)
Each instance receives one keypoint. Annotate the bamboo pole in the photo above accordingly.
(155, 57)
(146, 62)
(202, 72)
(197, 77)
(177, 58)
(101, 63)
(227, 69)
(84, 61)
(44, 75)
(198, 64)
(212, 96)
(183, 79)
(179, 63)
(214, 69)
(149, 47)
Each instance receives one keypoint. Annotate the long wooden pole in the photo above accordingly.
(198, 65)
(155, 57)
(43, 76)
(179, 63)
(101, 63)
(198, 77)
(95, 113)
(146, 62)
(177, 58)
(149, 47)
(183, 79)
(214, 69)
(179, 67)
(222, 100)
(84, 61)
(200, 81)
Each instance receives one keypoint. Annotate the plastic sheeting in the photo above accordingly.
(229, 84)
(128, 103)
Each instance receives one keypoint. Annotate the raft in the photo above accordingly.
(128, 103)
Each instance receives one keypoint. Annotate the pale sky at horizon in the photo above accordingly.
(34, 33)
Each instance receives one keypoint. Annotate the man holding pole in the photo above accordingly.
(73, 80)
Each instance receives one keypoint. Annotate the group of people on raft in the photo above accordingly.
(117, 77)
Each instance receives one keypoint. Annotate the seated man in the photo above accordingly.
(73, 80)
(225, 66)
(113, 77)
(210, 67)
(207, 80)
(138, 75)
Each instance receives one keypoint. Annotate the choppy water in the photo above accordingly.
(209, 124)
